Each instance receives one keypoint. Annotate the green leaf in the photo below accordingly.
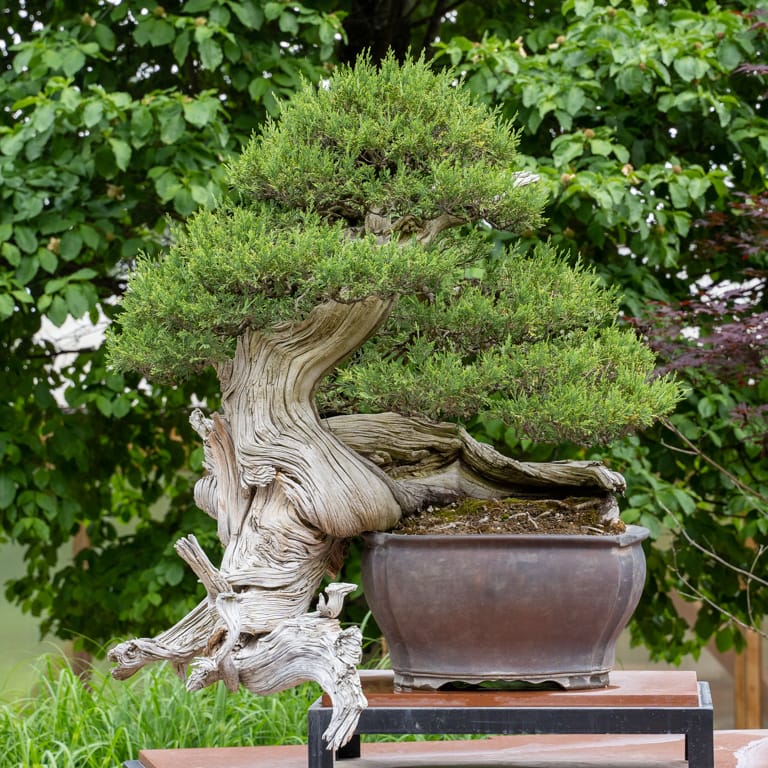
(678, 194)
(174, 574)
(600, 147)
(698, 187)
(92, 113)
(220, 16)
(574, 101)
(23, 297)
(58, 312)
(122, 153)
(70, 246)
(77, 301)
(7, 491)
(685, 501)
(201, 194)
(181, 47)
(85, 273)
(72, 61)
(273, 10)
(105, 37)
(115, 382)
(724, 639)
(28, 205)
(258, 87)
(184, 203)
(43, 117)
(48, 260)
(729, 54)
(248, 14)
(11, 144)
(327, 33)
(90, 236)
(22, 58)
(682, 222)
(685, 66)
(27, 269)
(167, 185)
(141, 122)
(288, 23)
(630, 80)
(160, 32)
(200, 112)
(26, 239)
(583, 7)
(47, 503)
(271, 104)
(70, 99)
(211, 54)
(203, 32)
(104, 404)
(566, 148)
(11, 253)
(621, 153)
(196, 6)
(121, 406)
(7, 305)
(171, 125)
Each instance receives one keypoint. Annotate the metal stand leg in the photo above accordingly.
(350, 749)
(699, 738)
(317, 721)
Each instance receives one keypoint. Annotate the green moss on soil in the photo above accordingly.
(571, 515)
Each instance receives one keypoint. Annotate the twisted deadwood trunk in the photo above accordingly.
(287, 489)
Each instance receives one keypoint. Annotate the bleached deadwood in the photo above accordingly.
(310, 647)
(287, 489)
(386, 226)
(286, 493)
(433, 463)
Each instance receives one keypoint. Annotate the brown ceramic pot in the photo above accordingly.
(533, 608)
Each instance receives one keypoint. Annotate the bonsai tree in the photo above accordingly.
(358, 306)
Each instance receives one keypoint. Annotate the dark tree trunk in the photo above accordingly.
(398, 25)
(376, 27)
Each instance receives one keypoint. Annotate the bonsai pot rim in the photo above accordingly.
(630, 536)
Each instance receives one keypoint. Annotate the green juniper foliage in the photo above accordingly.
(400, 140)
(331, 202)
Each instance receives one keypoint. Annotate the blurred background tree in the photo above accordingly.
(646, 124)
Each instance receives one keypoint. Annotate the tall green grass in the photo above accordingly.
(66, 724)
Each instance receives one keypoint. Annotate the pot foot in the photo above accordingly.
(405, 682)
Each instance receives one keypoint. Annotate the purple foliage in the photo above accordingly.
(720, 334)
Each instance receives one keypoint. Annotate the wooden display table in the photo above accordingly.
(634, 703)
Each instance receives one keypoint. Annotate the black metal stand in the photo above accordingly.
(695, 722)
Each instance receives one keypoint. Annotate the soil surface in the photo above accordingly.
(572, 515)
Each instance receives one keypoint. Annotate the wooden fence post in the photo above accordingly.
(748, 683)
